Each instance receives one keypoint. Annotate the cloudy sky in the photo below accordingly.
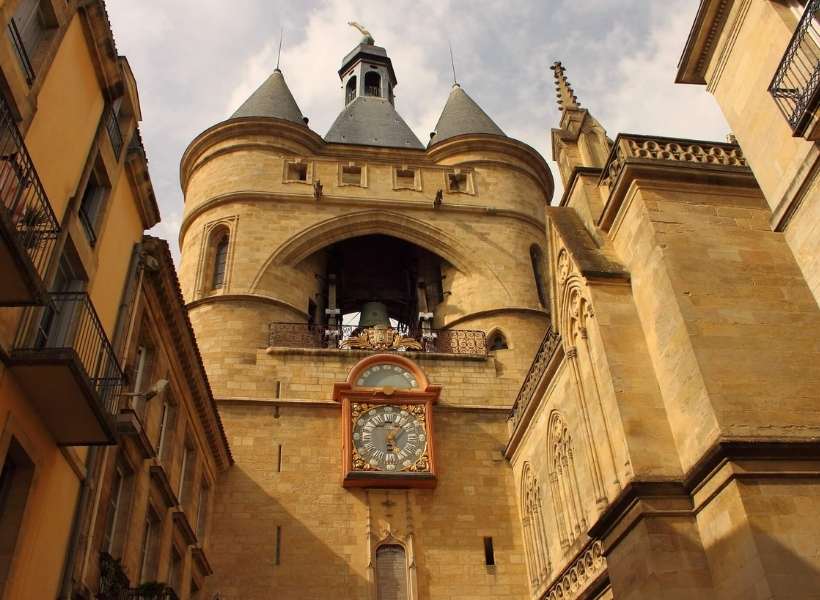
(196, 61)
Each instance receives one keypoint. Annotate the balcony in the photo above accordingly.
(65, 364)
(20, 50)
(114, 584)
(28, 227)
(796, 83)
(523, 405)
(353, 337)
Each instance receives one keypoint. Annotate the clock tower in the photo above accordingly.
(366, 306)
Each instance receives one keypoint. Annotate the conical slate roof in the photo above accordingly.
(271, 99)
(462, 115)
(372, 121)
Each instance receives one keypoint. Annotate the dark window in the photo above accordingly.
(497, 341)
(93, 202)
(202, 511)
(351, 175)
(277, 559)
(489, 553)
(406, 178)
(117, 510)
(148, 552)
(27, 28)
(457, 182)
(537, 258)
(15, 482)
(220, 263)
(372, 84)
(297, 171)
(175, 571)
(391, 572)
(350, 90)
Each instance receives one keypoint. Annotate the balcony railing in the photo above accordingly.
(796, 82)
(22, 197)
(114, 584)
(22, 53)
(112, 125)
(550, 343)
(353, 337)
(70, 323)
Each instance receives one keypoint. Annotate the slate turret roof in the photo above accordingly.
(271, 99)
(462, 115)
(372, 121)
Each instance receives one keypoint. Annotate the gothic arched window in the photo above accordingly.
(372, 84)
(391, 572)
(566, 495)
(350, 90)
(537, 258)
(535, 534)
(496, 341)
(220, 262)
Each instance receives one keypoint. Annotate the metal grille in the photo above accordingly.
(22, 197)
(796, 82)
(446, 341)
(20, 50)
(69, 322)
(550, 343)
(112, 125)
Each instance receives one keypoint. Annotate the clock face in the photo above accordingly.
(387, 375)
(389, 438)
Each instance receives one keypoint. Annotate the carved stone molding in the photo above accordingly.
(577, 578)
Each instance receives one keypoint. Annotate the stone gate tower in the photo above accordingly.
(366, 308)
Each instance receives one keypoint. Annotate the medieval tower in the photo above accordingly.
(287, 237)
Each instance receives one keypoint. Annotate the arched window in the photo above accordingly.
(350, 90)
(535, 535)
(496, 341)
(391, 572)
(566, 495)
(537, 258)
(220, 263)
(372, 84)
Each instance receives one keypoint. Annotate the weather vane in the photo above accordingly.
(366, 37)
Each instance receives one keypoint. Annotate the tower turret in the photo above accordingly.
(271, 99)
(369, 116)
(462, 115)
(580, 141)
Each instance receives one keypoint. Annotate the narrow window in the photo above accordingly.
(93, 202)
(15, 483)
(277, 559)
(28, 27)
(406, 178)
(497, 341)
(202, 511)
(186, 472)
(166, 427)
(279, 459)
(297, 171)
(175, 570)
(391, 572)
(489, 554)
(351, 175)
(220, 263)
(537, 258)
(115, 498)
(194, 595)
(372, 84)
(350, 90)
(149, 545)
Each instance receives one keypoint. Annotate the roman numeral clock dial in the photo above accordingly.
(387, 424)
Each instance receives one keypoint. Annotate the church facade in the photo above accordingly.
(438, 381)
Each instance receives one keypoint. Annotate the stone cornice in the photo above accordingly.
(577, 174)
(700, 45)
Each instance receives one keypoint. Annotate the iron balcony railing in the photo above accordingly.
(446, 341)
(112, 125)
(22, 197)
(20, 50)
(69, 322)
(114, 584)
(543, 357)
(796, 82)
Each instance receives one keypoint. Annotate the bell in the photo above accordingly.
(374, 314)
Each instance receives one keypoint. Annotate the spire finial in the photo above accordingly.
(452, 63)
(367, 38)
(279, 52)
(564, 92)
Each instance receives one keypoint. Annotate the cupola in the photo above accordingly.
(462, 115)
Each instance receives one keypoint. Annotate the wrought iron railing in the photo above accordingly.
(22, 197)
(796, 83)
(20, 50)
(446, 341)
(69, 322)
(114, 584)
(160, 592)
(112, 125)
(88, 226)
(550, 343)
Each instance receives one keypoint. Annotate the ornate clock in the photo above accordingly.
(387, 424)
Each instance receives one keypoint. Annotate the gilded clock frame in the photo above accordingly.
(354, 399)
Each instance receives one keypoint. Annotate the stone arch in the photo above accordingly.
(564, 485)
(497, 340)
(216, 252)
(574, 310)
(368, 222)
